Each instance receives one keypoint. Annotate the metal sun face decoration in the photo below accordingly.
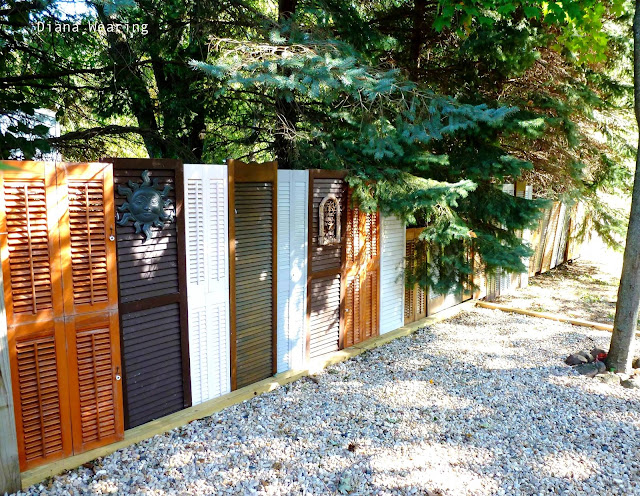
(145, 205)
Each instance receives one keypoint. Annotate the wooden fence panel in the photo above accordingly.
(293, 198)
(392, 248)
(152, 287)
(325, 290)
(361, 275)
(207, 246)
(415, 306)
(550, 237)
(253, 244)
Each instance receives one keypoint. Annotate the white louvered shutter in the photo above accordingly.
(293, 194)
(206, 215)
(392, 250)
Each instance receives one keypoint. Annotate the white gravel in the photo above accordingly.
(478, 405)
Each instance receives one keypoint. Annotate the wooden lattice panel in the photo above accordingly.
(37, 392)
(28, 243)
(88, 242)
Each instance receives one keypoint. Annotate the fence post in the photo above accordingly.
(9, 464)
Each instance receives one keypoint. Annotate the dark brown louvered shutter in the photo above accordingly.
(253, 271)
(325, 290)
(361, 275)
(152, 288)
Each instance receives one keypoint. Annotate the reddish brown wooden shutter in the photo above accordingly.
(415, 305)
(60, 282)
(326, 293)
(361, 275)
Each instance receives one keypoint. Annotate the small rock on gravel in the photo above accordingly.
(636, 363)
(575, 359)
(588, 369)
(609, 378)
(587, 355)
(633, 383)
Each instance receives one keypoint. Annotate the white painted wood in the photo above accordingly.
(293, 199)
(207, 246)
(9, 462)
(392, 252)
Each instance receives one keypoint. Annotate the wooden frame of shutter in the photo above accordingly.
(241, 172)
(96, 319)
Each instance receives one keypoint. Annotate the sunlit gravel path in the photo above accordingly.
(478, 405)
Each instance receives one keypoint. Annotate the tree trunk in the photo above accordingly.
(286, 113)
(417, 37)
(624, 327)
(128, 76)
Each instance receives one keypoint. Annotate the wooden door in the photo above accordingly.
(59, 270)
(325, 267)
(206, 213)
(415, 305)
(252, 257)
(361, 276)
(152, 292)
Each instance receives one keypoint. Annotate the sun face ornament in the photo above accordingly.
(145, 205)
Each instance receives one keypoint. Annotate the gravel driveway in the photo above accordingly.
(481, 404)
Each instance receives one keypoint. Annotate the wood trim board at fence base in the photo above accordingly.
(183, 417)
(550, 316)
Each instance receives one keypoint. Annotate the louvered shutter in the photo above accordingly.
(392, 246)
(253, 268)
(326, 291)
(361, 276)
(61, 308)
(293, 194)
(206, 214)
(91, 303)
(31, 269)
(409, 291)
